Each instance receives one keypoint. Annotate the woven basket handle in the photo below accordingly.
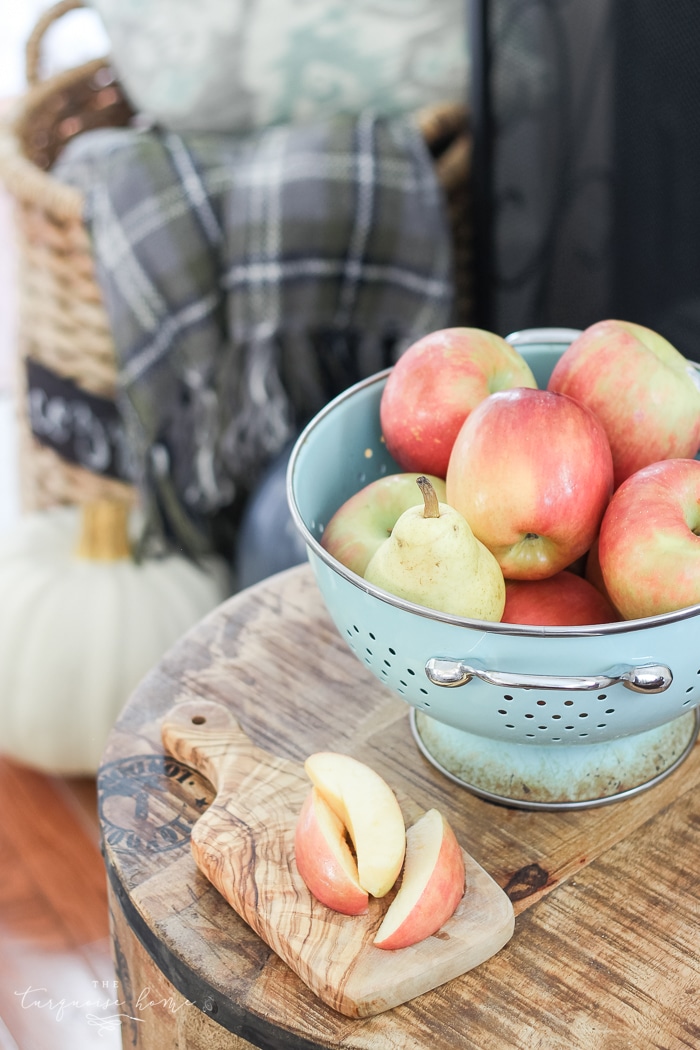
(33, 46)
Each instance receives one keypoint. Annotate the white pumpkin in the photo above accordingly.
(81, 623)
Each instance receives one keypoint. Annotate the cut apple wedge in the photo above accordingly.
(365, 804)
(324, 859)
(432, 884)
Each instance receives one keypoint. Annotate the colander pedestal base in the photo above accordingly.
(573, 776)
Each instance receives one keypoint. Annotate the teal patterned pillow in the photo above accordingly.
(237, 65)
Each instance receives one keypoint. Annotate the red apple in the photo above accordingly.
(532, 473)
(324, 859)
(562, 600)
(592, 570)
(434, 386)
(646, 394)
(359, 527)
(432, 885)
(649, 547)
(367, 807)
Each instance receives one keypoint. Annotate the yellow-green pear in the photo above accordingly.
(433, 558)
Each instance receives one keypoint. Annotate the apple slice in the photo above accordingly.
(368, 808)
(324, 859)
(432, 884)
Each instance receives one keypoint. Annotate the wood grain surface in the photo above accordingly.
(605, 949)
(244, 845)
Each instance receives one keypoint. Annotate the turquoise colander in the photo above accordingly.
(535, 717)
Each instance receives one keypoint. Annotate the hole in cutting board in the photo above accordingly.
(198, 720)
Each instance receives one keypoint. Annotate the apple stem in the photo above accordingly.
(431, 507)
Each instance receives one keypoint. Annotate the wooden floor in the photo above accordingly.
(56, 972)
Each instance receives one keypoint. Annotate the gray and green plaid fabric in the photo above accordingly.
(247, 280)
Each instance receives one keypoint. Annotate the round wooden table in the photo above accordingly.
(605, 949)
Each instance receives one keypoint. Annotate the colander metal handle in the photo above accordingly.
(649, 678)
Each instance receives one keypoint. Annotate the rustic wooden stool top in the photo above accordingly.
(606, 945)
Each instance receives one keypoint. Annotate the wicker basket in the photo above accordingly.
(62, 322)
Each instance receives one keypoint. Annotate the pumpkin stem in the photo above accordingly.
(104, 532)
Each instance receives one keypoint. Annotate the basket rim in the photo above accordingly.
(25, 181)
(488, 626)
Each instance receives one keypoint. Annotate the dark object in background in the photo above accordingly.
(268, 540)
(587, 163)
(656, 155)
(543, 74)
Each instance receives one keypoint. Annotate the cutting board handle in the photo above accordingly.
(206, 736)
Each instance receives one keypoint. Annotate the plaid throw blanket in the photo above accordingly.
(247, 281)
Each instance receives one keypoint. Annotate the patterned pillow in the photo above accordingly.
(237, 65)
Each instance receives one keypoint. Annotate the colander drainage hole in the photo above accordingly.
(412, 673)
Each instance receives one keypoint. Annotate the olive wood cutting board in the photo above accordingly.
(244, 845)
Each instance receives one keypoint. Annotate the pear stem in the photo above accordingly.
(431, 505)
